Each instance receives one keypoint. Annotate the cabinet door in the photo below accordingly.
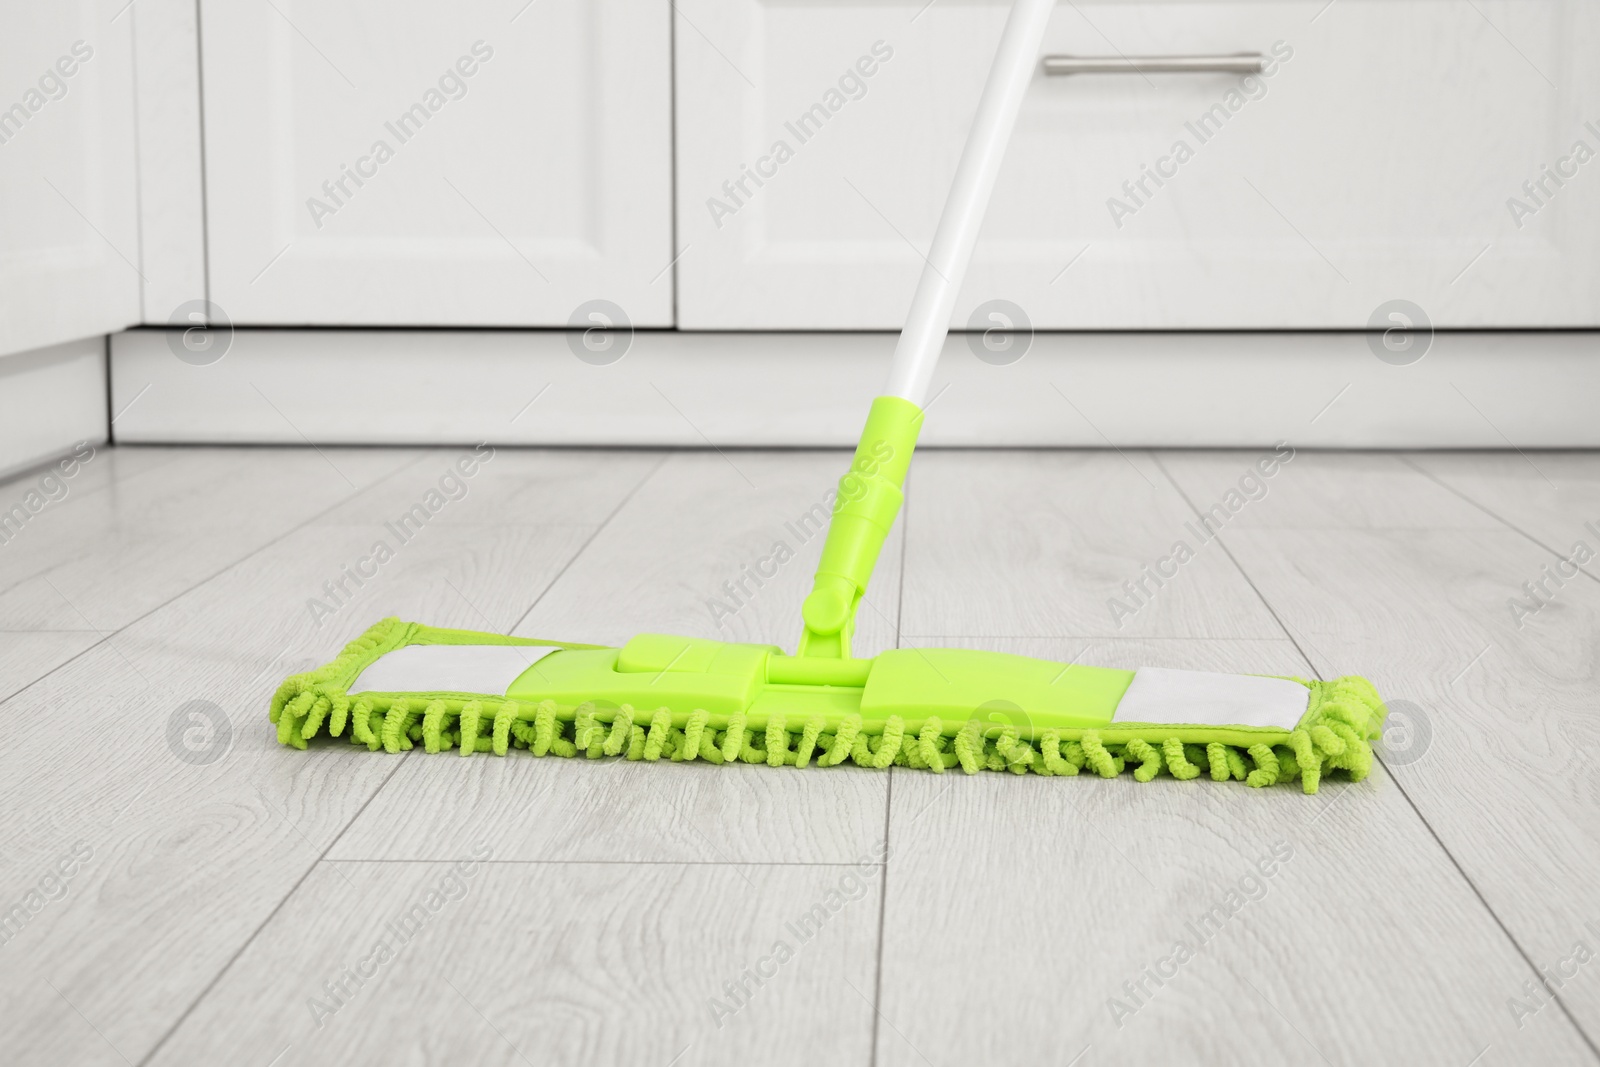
(399, 162)
(69, 238)
(1384, 159)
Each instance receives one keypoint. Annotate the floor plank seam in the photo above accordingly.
(883, 911)
(89, 494)
(620, 863)
(1528, 959)
(1497, 517)
(598, 530)
(265, 922)
(109, 634)
(1448, 854)
(888, 797)
(1195, 510)
(1515, 944)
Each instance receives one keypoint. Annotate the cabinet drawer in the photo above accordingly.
(1398, 150)
(472, 163)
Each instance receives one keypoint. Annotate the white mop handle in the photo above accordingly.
(929, 319)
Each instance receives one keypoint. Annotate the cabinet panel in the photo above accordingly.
(171, 175)
(1377, 162)
(69, 234)
(473, 163)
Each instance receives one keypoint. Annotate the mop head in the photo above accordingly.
(681, 698)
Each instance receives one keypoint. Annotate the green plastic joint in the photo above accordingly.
(864, 511)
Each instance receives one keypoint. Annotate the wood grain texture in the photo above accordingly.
(703, 520)
(1319, 490)
(1046, 895)
(699, 521)
(62, 529)
(1551, 496)
(572, 809)
(101, 559)
(1411, 910)
(189, 859)
(503, 486)
(27, 655)
(139, 527)
(1500, 710)
(552, 963)
(1034, 544)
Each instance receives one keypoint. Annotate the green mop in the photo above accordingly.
(687, 698)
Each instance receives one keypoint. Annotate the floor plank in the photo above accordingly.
(1038, 544)
(696, 523)
(1553, 497)
(1497, 718)
(703, 520)
(46, 537)
(102, 559)
(155, 498)
(501, 486)
(572, 810)
(1046, 896)
(214, 898)
(1317, 490)
(28, 655)
(189, 859)
(552, 963)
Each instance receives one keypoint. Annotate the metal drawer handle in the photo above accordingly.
(1239, 63)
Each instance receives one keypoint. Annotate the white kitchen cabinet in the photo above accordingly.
(1384, 159)
(400, 162)
(171, 174)
(69, 235)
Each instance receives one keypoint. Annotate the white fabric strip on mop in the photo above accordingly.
(1200, 698)
(487, 669)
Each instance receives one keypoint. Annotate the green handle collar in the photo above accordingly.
(864, 511)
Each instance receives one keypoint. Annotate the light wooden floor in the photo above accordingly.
(609, 908)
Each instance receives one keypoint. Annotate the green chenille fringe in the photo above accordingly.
(1343, 718)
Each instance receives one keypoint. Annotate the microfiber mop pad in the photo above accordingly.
(682, 699)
